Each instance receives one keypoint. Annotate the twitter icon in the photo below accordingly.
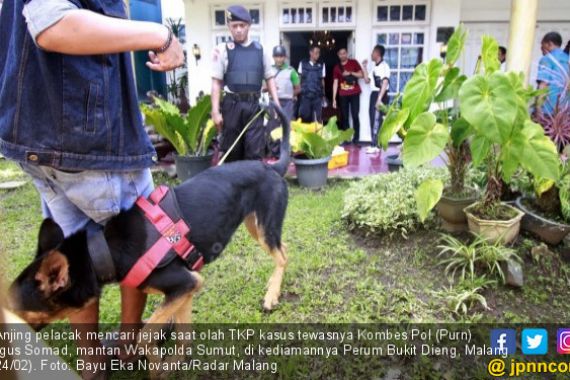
(534, 341)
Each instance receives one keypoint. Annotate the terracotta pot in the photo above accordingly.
(450, 210)
(494, 230)
(545, 229)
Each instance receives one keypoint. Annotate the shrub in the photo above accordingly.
(385, 203)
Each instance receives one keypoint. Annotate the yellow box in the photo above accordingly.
(338, 160)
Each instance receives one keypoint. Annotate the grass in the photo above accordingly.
(333, 275)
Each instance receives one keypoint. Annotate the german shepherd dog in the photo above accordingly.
(61, 279)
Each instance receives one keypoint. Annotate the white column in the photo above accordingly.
(521, 36)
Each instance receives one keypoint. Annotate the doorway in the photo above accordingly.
(297, 45)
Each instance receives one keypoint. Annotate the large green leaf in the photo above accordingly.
(489, 104)
(425, 140)
(427, 195)
(419, 91)
(207, 137)
(157, 117)
(460, 131)
(536, 152)
(490, 54)
(455, 45)
(393, 122)
(451, 85)
(321, 143)
(196, 120)
(480, 148)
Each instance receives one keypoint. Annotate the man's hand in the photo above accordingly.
(334, 104)
(346, 73)
(172, 58)
(218, 120)
(364, 62)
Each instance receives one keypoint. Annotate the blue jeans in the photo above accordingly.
(72, 200)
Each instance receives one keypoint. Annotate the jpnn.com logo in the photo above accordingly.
(503, 341)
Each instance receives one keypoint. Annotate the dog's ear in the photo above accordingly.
(50, 236)
(53, 273)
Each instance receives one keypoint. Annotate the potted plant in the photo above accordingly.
(547, 214)
(429, 122)
(491, 126)
(190, 134)
(495, 104)
(312, 145)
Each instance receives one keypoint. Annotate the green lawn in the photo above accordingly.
(334, 275)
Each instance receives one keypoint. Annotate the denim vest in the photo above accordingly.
(64, 111)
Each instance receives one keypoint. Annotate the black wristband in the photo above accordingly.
(167, 43)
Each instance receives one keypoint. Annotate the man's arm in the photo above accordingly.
(216, 94)
(272, 87)
(383, 91)
(359, 73)
(335, 88)
(83, 32)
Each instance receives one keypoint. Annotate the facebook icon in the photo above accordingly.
(503, 341)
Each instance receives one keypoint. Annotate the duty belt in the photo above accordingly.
(244, 96)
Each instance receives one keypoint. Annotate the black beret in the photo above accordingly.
(238, 13)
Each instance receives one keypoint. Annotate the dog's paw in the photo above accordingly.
(269, 304)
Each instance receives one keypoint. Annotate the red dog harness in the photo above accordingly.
(172, 237)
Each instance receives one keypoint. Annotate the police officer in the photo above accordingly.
(287, 81)
(312, 86)
(240, 66)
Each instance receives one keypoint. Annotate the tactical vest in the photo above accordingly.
(245, 67)
(284, 84)
(311, 82)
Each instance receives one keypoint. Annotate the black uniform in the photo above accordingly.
(243, 77)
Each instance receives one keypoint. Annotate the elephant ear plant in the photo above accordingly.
(487, 120)
(495, 104)
(429, 121)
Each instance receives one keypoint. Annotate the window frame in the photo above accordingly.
(296, 5)
(401, 29)
(401, 4)
(337, 4)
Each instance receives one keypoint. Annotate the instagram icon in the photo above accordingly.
(563, 341)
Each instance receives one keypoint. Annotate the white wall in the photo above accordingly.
(500, 10)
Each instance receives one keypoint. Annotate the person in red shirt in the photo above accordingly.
(346, 75)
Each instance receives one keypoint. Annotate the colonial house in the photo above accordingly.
(411, 30)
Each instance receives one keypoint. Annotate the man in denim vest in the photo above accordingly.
(69, 114)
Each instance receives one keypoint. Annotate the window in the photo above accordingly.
(297, 15)
(400, 11)
(219, 16)
(404, 51)
(337, 13)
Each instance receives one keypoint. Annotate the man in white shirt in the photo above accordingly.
(379, 80)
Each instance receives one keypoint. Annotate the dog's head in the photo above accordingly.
(38, 295)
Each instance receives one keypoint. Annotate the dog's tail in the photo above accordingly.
(282, 164)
